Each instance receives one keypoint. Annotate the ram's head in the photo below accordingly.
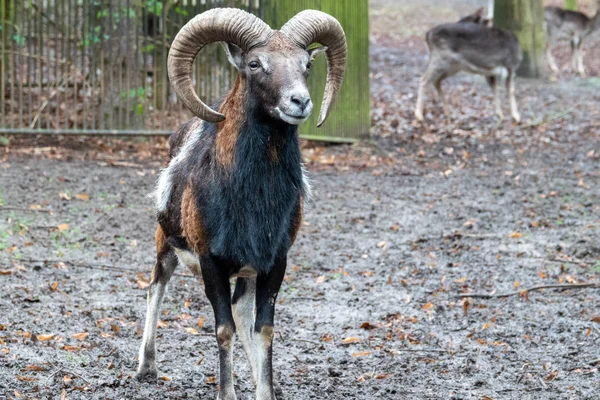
(275, 64)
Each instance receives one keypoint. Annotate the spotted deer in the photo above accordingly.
(471, 46)
(572, 26)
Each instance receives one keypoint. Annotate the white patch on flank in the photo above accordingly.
(164, 186)
(500, 72)
(307, 186)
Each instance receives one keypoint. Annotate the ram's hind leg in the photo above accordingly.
(161, 274)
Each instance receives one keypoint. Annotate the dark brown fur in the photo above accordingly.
(192, 228)
(161, 249)
(229, 129)
(297, 222)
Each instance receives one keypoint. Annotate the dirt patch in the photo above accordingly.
(368, 310)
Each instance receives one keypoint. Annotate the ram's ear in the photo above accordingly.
(314, 53)
(235, 55)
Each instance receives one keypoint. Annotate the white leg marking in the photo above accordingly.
(147, 355)
(244, 316)
(420, 95)
(513, 101)
(262, 345)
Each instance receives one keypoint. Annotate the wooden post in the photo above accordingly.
(571, 5)
(526, 19)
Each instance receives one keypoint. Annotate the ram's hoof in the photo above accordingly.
(149, 375)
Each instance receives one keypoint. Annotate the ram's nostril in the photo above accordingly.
(301, 101)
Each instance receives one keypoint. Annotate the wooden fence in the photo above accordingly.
(98, 66)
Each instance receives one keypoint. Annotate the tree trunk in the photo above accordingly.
(571, 5)
(526, 19)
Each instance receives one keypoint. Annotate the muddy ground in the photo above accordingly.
(397, 229)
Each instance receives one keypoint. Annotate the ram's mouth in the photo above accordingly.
(292, 119)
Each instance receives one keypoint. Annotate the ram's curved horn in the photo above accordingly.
(312, 26)
(219, 24)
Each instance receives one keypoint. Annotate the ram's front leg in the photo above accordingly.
(216, 283)
(267, 288)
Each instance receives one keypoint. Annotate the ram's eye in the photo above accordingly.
(253, 65)
(308, 66)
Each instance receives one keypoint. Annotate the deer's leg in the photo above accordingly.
(510, 85)
(244, 315)
(492, 80)
(423, 82)
(550, 59)
(578, 57)
(267, 288)
(437, 83)
(161, 274)
(216, 284)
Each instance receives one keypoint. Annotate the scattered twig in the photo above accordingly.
(422, 350)
(544, 120)
(52, 375)
(76, 263)
(594, 362)
(308, 341)
(2, 208)
(77, 375)
(306, 298)
(527, 290)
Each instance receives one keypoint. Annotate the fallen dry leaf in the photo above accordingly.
(71, 348)
(541, 274)
(516, 235)
(80, 336)
(192, 331)
(26, 378)
(63, 227)
(162, 324)
(321, 279)
(64, 196)
(36, 368)
(367, 326)
(142, 284)
(200, 322)
(361, 354)
(43, 338)
(82, 196)
(164, 378)
(350, 340)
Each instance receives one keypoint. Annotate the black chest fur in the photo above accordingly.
(250, 211)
